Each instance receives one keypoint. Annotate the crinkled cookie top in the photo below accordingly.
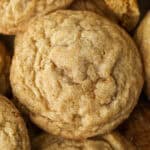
(15, 14)
(78, 73)
(4, 69)
(112, 141)
(13, 133)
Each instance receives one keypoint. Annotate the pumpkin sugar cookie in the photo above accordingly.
(77, 73)
(13, 132)
(15, 14)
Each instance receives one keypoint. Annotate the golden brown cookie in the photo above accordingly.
(15, 14)
(4, 69)
(78, 73)
(137, 128)
(124, 12)
(142, 38)
(13, 132)
(112, 141)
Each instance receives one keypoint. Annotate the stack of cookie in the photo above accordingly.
(73, 73)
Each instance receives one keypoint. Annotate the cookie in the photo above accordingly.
(4, 69)
(13, 132)
(142, 38)
(124, 12)
(77, 73)
(111, 141)
(15, 14)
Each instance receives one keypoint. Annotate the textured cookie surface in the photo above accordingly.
(77, 73)
(142, 38)
(4, 69)
(13, 133)
(15, 14)
(111, 141)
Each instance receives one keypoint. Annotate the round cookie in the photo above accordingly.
(15, 14)
(112, 141)
(78, 74)
(142, 38)
(4, 69)
(13, 132)
(124, 12)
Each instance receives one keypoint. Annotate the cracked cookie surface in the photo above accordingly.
(142, 38)
(112, 141)
(13, 132)
(15, 14)
(78, 73)
(4, 69)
